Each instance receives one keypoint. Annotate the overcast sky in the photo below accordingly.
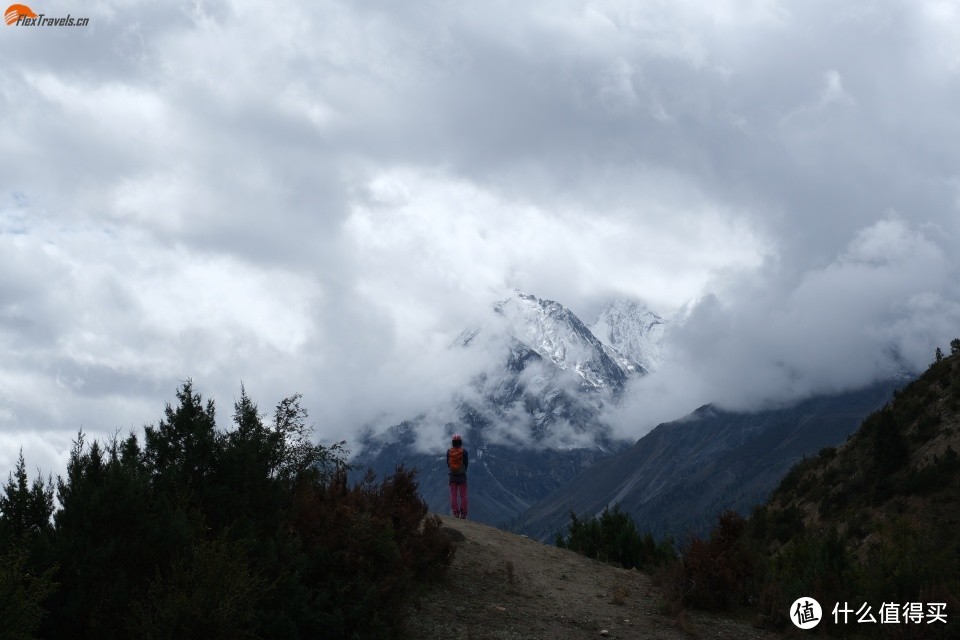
(318, 196)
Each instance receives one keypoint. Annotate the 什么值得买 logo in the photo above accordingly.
(805, 613)
(20, 15)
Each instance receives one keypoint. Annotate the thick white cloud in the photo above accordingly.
(319, 200)
(426, 240)
(875, 312)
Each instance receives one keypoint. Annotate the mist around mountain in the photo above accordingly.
(535, 418)
(535, 425)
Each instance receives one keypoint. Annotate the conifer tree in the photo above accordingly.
(25, 509)
(181, 450)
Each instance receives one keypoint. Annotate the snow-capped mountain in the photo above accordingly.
(632, 333)
(555, 333)
(532, 420)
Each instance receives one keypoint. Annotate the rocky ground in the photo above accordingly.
(503, 586)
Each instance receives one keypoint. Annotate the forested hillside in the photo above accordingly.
(204, 533)
(873, 524)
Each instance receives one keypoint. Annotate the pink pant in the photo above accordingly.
(458, 490)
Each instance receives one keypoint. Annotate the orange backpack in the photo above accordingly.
(455, 459)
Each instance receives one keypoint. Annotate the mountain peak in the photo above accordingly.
(557, 334)
(633, 332)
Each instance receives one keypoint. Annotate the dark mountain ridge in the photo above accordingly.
(677, 478)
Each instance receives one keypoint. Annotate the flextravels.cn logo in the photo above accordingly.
(805, 613)
(17, 11)
(20, 15)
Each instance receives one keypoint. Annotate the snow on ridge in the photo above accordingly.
(626, 338)
(555, 333)
(633, 333)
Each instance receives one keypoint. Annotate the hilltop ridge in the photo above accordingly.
(504, 586)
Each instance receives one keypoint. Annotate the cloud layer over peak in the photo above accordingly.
(319, 199)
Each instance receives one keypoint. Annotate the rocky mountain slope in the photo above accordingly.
(677, 478)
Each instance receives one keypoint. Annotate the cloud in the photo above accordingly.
(322, 201)
(875, 312)
(473, 244)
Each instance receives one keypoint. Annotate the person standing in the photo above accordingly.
(457, 463)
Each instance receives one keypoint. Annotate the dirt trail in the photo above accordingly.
(503, 586)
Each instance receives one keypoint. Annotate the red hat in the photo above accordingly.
(456, 437)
